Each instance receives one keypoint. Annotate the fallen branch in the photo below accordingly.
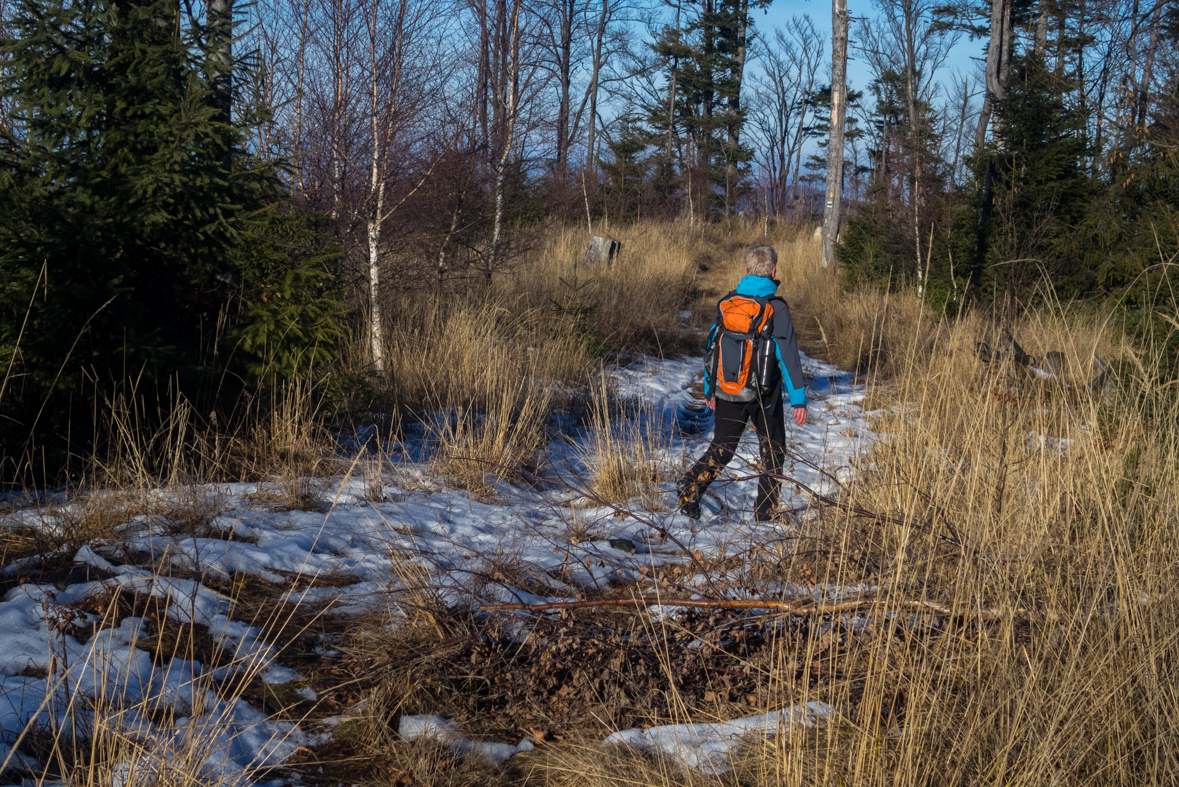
(801, 608)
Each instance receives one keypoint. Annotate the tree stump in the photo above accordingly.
(602, 251)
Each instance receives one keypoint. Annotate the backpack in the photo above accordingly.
(740, 358)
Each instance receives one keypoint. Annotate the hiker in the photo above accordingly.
(751, 355)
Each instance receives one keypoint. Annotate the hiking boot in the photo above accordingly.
(688, 498)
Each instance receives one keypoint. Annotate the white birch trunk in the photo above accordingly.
(507, 100)
(374, 279)
(831, 210)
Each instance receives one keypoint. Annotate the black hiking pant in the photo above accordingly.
(731, 418)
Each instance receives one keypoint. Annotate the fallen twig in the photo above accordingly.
(801, 608)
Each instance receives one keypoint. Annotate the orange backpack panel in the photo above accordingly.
(743, 325)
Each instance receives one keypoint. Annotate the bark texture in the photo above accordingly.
(831, 209)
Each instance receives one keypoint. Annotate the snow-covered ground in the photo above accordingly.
(379, 529)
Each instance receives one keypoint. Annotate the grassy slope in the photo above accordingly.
(966, 505)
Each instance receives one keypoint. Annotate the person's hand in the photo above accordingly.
(712, 403)
(800, 416)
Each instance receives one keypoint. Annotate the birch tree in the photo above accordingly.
(834, 189)
(505, 98)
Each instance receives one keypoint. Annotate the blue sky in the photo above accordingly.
(780, 11)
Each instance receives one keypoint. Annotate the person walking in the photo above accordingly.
(751, 355)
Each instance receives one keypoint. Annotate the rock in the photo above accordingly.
(602, 251)
(1007, 348)
(624, 544)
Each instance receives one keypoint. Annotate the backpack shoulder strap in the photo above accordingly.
(770, 300)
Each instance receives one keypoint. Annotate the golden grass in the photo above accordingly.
(114, 727)
(475, 448)
(633, 304)
(624, 450)
(965, 504)
(485, 370)
(967, 500)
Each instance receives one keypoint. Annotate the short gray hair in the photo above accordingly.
(761, 260)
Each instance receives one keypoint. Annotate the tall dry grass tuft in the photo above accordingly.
(627, 451)
(477, 448)
(632, 304)
(1043, 515)
(279, 432)
(465, 353)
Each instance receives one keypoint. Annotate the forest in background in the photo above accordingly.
(199, 202)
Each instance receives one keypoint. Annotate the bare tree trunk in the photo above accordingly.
(5, 103)
(737, 74)
(998, 47)
(564, 71)
(374, 273)
(221, 58)
(1041, 44)
(831, 210)
(301, 66)
(591, 155)
(507, 106)
(1061, 27)
(454, 222)
(796, 148)
(996, 69)
(671, 85)
(914, 141)
(709, 95)
(376, 197)
(483, 78)
(338, 99)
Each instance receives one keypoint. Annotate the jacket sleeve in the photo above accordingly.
(786, 346)
(709, 383)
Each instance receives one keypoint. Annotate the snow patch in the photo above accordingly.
(447, 732)
(709, 748)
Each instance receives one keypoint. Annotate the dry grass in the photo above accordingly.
(476, 448)
(971, 503)
(977, 507)
(626, 451)
(632, 304)
(464, 353)
(968, 502)
(110, 720)
(485, 371)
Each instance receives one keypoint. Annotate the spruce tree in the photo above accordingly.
(1041, 191)
(705, 60)
(130, 211)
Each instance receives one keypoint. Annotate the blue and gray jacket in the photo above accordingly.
(782, 333)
